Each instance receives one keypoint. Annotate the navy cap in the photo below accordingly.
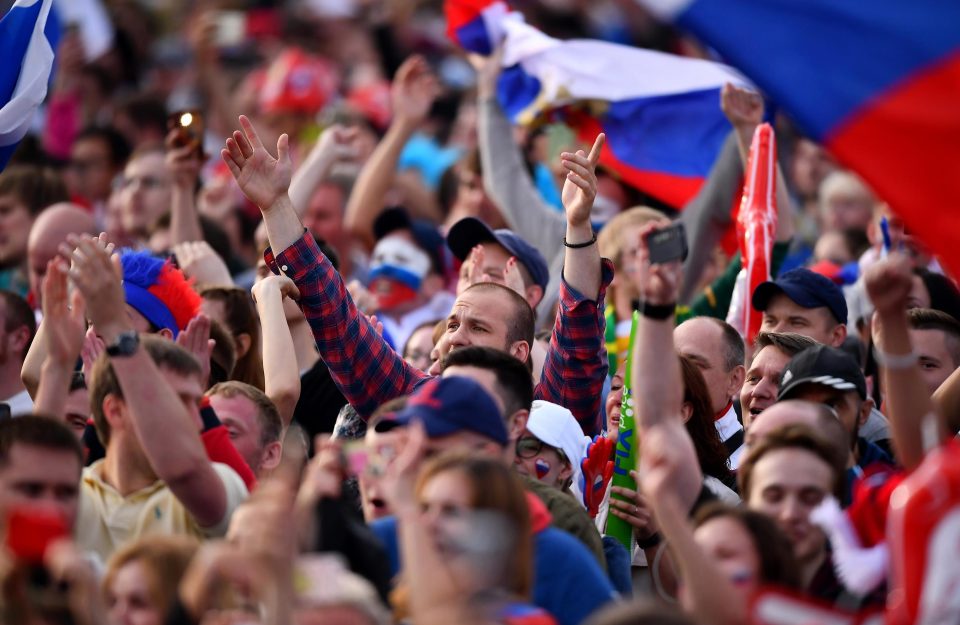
(450, 405)
(825, 366)
(805, 288)
(470, 231)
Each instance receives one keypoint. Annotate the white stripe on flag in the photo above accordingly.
(34, 73)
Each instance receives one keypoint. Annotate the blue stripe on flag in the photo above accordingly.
(16, 29)
(516, 90)
(399, 274)
(473, 36)
(801, 49)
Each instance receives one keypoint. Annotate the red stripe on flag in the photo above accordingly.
(905, 145)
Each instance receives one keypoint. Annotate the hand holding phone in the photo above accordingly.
(189, 125)
(667, 244)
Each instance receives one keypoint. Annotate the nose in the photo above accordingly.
(764, 390)
(459, 337)
(791, 510)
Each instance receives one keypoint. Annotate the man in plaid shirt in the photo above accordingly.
(367, 370)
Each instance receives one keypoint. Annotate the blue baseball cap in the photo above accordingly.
(805, 288)
(470, 231)
(450, 405)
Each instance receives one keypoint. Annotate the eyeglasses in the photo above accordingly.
(529, 447)
(148, 183)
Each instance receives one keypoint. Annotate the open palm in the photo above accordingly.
(262, 178)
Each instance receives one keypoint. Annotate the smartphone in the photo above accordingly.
(667, 244)
(190, 129)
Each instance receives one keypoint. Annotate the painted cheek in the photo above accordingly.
(542, 467)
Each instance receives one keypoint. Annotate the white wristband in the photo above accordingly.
(895, 362)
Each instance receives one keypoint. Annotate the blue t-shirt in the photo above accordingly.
(567, 580)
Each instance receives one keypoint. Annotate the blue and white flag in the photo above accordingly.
(26, 59)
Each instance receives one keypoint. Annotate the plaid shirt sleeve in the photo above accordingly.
(576, 363)
(366, 369)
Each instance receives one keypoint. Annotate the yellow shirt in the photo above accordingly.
(107, 520)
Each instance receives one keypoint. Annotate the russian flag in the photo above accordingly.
(878, 83)
(26, 53)
(661, 112)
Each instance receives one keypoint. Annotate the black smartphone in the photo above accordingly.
(667, 244)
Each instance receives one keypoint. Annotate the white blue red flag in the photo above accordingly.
(878, 83)
(661, 112)
(26, 59)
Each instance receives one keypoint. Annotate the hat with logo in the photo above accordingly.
(805, 288)
(470, 232)
(449, 405)
(556, 426)
(824, 366)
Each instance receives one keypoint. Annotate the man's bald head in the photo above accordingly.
(817, 417)
(49, 230)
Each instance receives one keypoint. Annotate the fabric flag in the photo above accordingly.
(660, 112)
(27, 55)
(878, 83)
(628, 448)
(756, 228)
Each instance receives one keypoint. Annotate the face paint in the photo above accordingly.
(397, 270)
(542, 467)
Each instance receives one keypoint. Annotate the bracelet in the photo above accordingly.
(658, 311)
(580, 246)
(895, 362)
(651, 541)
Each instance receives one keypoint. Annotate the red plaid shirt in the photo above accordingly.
(369, 372)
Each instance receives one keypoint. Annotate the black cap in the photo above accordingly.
(825, 366)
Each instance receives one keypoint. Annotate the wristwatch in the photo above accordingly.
(125, 345)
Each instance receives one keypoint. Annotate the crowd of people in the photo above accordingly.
(299, 329)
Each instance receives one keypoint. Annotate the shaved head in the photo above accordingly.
(49, 230)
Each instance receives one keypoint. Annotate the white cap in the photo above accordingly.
(556, 426)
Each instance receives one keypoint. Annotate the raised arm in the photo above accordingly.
(907, 400)
(412, 94)
(366, 369)
(657, 379)
(164, 425)
(64, 315)
(281, 374)
(576, 365)
(184, 162)
(744, 109)
(505, 176)
(334, 145)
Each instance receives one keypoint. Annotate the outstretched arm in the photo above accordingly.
(906, 396)
(280, 372)
(163, 424)
(184, 163)
(413, 92)
(366, 369)
(334, 145)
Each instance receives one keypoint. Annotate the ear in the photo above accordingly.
(533, 294)
(19, 339)
(565, 473)
(243, 341)
(865, 409)
(114, 409)
(517, 424)
(270, 458)
(839, 335)
(686, 411)
(520, 350)
(736, 378)
(165, 333)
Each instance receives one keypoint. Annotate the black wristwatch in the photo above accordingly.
(125, 345)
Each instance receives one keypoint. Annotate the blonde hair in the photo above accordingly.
(610, 240)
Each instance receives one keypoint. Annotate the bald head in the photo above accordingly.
(817, 417)
(49, 230)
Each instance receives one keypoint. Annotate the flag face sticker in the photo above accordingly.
(660, 112)
(27, 56)
(877, 83)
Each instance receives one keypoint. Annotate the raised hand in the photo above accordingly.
(197, 260)
(90, 350)
(413, 91)
(888, 283)
(488, 70)
(337, 144)
(195, 338)
(63, 314)
(512, 278)
(658, 284)
(399, 480)
(580, 186)
(183, 161)
(742, 107)
(99, 277)
(273, 286)
(262, 178)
